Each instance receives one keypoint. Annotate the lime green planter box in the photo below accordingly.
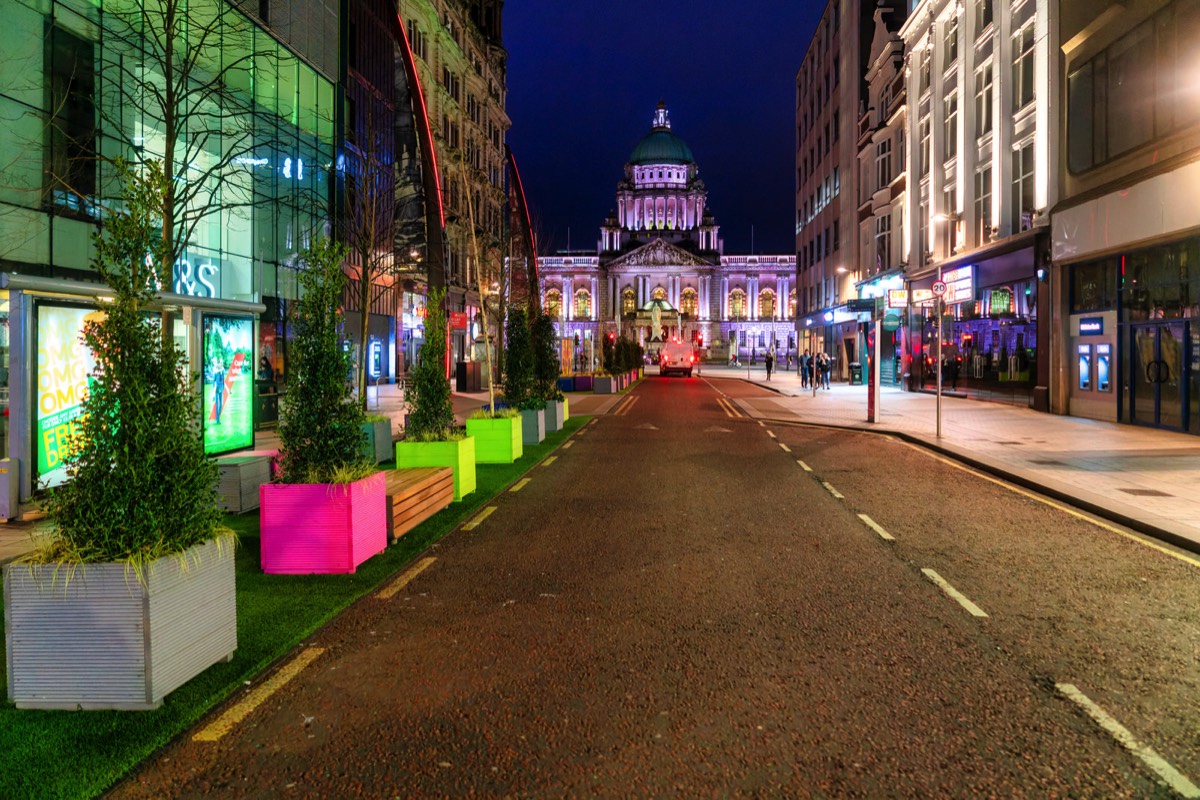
(459, 456)
(497, 441)
(566, 409)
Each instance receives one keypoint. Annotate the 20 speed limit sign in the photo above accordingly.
(939, 288)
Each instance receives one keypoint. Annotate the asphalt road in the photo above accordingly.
(676, 607)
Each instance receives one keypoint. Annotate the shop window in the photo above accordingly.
(1094, 286)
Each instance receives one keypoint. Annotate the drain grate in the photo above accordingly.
(1145, 492)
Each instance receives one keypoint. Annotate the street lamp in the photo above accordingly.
(940, 309)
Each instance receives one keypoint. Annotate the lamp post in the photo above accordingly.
(940, 307)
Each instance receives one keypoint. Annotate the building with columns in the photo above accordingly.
(660, 271)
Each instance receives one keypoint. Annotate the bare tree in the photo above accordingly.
(367, 226)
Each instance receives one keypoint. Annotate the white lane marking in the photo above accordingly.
(786, 449)
(832, 490)
(772, 434)
(806, 467)
(1175, 779)
(473, 524)
(950, 591)
(875, 526)
(762, 424)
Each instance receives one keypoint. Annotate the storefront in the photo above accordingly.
(889, 288)
(991, 348)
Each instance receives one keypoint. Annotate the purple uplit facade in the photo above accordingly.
(660, 272)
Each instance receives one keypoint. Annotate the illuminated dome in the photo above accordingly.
(660, 145)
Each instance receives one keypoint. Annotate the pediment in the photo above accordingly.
(659, 253)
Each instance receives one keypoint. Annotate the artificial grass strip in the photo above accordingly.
(80, 754)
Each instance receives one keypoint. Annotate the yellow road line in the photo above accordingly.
(1059, 506)
(243, 708)
(953, 593)
(405, 579)
(875, 526)
(832, 490)
(521, 484)
(806, 467)
(549, 461)
(568, 445)
(473, 524)
(1175, 779)
(786, 449)
(724, 406)
(624, 406)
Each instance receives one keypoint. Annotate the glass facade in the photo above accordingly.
(80, 85)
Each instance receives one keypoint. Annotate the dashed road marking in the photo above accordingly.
(829, 486)
(875, 526)
(805, 467)
(549, 461)
(772, 434)
(950, 591)
(568, 445)
(416, 569)
(480, 517)
(786, 449)
(761, 424)
(1175, 779)
(521, 484)
(243, 708)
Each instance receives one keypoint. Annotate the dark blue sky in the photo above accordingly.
(584, 79)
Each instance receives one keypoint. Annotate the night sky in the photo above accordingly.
(583, 82)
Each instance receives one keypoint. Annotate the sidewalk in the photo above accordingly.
(1143, 478)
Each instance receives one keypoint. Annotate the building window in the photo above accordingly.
(983, 205)
(1022, 188)
(883, 242)
(926, 70)
(950, 43)
(689, 303)
(659, 293)
(71, 152)
(950, 126)
(883, 164)
(737, 305)
(983, 16)
(554, 304)
(950, 209)
(766, 304)
(924, 132)
(837, 233)
(792, 305)
(583, 304)
(983, 100)
(628, 302)
(1022, 51)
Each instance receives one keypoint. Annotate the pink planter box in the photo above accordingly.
(320, 527)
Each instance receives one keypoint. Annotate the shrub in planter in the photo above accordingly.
(498, 436)
(518, 378)
(546, 371)
(138, 565)
(430, 436)
(328, 513)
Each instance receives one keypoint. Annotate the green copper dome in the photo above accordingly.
(660, 146)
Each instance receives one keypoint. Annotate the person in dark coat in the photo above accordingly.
(769, 360)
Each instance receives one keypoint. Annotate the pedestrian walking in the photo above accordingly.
(789, 366)
(753, 356)
(769, 360)
(824, 366)
(805, 367)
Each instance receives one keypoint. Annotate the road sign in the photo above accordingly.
(891, 322)
(939, 288)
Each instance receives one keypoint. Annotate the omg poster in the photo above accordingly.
(228, 383)
(64, 368)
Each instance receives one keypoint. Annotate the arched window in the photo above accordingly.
(554, 304)
(659, 293)
(792, 305)
(766, 304)
(583, 304)
(628, 301)
(689, 302)
(737, 304)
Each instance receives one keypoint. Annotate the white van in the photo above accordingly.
(676, 357)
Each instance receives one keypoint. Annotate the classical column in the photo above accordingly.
(568, 300)
(724, 299)
(595, 299)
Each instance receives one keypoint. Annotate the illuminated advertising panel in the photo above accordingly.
(64, 367)
(228, 383)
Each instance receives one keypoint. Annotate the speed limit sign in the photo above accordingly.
(939, 288)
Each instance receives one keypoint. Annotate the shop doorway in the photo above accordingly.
(1158, 361)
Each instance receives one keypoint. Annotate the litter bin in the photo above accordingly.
(856, 373)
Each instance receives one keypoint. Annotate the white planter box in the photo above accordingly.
(555, 415)
(99, 639)
(533, 426)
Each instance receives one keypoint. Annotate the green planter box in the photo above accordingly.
(459, 456)
(566, 409)
(497, 441)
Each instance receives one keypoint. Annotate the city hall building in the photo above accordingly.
(660, 271)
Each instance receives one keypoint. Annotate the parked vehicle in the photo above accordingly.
(676, 357)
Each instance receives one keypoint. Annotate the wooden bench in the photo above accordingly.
(415, 495)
